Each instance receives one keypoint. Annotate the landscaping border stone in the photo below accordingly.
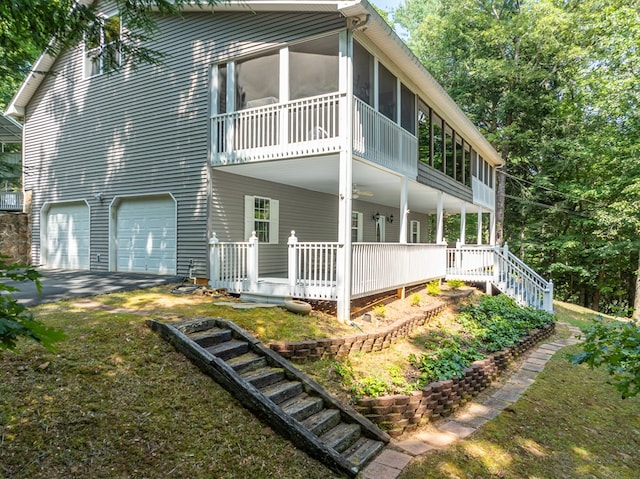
(398, 414)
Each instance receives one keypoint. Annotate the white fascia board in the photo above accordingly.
(30, 85)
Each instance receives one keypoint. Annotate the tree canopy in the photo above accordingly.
(554, 86)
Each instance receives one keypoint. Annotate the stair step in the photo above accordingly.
(247, 362)
(263, 377)
(211, 336)
(363, 451)
(280, 392)
(229, 349)
(341, 436)
(322, 421)
(302, 406)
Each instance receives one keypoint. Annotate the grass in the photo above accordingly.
(569, 424)
(116, 401)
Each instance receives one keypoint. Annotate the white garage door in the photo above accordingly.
(146, 235)
(65, 237)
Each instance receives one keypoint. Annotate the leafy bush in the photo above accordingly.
(455, 284)
(15, 319)
(415, 299)
(391, 381)
(380, 310)
(615, 345)
(433, 288)
(446, 361)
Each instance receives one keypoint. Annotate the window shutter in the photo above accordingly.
(249, 212)
(274, 223)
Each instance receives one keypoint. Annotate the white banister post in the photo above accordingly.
(458, 254)
(440, 219)
(214, 261)
(463, 224)
(293, 262)
(548, 297)
(404, 209)
(252, 262)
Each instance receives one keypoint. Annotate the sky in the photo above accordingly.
(387, 4)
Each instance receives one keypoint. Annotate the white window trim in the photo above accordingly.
(85, 52)
(414, 228)
(359, 229)
(274, 218)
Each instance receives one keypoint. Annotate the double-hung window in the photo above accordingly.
(262, 216)
(100, 46)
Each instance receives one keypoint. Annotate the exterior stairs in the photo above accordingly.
(279, 394)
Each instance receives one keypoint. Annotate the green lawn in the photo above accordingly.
(115, 401)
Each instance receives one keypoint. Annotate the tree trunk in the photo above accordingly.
(500, 203)
(636, 299)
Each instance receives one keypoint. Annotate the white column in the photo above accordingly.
(440, 219)
(463, 224)
(283, 122)
(343, 273)
(214, 261)
(404, 209)
(480, 226)
(252, 263)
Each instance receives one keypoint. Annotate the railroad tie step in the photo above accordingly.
(302, 406)
(280, 392)
(229, 349)
(342, 436)
(322, 421)
(211, 336)
(263, 377)
(247, 362)
(362, 451)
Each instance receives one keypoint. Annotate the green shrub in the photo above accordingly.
(415, 299)
(433, 288)
(455, 284)
(380, 310)
(447, 361)
(615, 345)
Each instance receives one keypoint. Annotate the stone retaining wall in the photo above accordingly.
(360, 343)
(15, 237)
(403, 413)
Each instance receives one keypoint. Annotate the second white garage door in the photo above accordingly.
(65, 239)
(145, 236)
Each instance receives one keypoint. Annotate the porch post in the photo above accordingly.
(345, 186)
(293, 262)
(440, 219)
(463, 224)
(252, 262)
(479, 226)
(492, 228)
(214, 261)
(404, 210)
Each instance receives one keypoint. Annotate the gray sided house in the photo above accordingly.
(282, 149)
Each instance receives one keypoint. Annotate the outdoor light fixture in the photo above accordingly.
(376, 217)
(390, 219)
(99, 197)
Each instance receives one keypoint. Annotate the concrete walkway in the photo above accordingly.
(390, 463)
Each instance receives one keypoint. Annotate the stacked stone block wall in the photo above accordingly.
(359, 343)
(15, 237)
(403, 413)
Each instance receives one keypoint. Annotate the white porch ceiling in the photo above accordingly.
(321, 174)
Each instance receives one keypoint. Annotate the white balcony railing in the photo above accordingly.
(311, 126)
(382, 141)
(298, 128)
(11, 201)
(312, 269)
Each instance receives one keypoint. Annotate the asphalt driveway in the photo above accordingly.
(67, 284)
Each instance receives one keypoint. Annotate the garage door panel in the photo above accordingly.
(146, 235)
(66, 237)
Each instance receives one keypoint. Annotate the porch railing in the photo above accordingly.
(378, 267)
(378, 139)
(312, 269)
(502, 269)
(11, 201)
(234, 265)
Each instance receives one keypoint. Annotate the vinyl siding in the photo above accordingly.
(436, 179)
(145, 131)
